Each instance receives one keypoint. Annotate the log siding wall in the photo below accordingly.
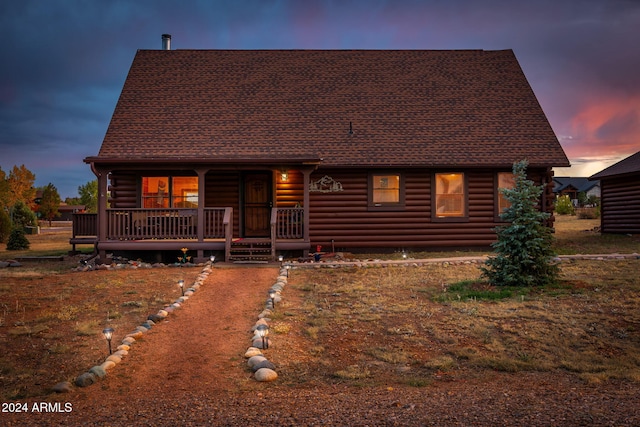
(620, 204)
(222, 189)
(344, 216)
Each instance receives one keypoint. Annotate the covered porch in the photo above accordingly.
(249, 213)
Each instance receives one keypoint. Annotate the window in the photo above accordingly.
(386, 191)
(170, 192)
(505, 180)
(450, 195)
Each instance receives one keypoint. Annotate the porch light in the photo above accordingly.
(263, 331)
(108, 333)
(272, 296)
(181, 284)
(284, 175)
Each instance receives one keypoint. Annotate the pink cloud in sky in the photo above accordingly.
(605, 125)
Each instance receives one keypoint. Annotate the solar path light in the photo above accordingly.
(108, 334)
(263, 331)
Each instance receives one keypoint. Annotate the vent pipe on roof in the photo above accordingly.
(166, 42)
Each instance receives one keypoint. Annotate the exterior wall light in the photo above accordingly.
(108, 334)
(284, 175)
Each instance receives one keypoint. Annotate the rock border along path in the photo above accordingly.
(99, 371)
(263, 370)
(410, 262)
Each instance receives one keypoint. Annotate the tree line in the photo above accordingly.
(22, 204)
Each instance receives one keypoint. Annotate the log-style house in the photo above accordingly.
(254, 153)
(620, 196)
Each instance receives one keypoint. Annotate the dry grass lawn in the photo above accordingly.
(397, 325)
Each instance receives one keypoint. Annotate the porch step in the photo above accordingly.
(251, 250)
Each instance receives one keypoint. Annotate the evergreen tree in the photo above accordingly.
(17, 240)
(23, 216)
(523, 255)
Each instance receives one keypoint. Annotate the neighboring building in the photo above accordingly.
(67, 211)
(256, 153)
(572, 187)
(620, 200)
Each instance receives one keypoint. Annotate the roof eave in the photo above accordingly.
(204, 160)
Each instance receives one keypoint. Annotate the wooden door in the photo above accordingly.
(257, 204)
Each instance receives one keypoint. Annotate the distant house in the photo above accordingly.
(256, 153)
(67, 211)
(572, 187)
(620, 200)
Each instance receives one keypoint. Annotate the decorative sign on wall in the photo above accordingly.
(326, 184)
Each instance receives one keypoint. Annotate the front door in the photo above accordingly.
(257, 204)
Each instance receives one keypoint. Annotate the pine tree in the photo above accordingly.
(523, 254)
(17, 240)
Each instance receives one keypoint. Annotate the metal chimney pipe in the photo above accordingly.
(166, 42)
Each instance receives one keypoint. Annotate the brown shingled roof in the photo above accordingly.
(627, 166)
(406, 108)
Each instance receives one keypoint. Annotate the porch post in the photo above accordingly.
(102, 175)
(305, 225)
(201, 192)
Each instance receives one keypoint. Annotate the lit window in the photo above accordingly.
(170, 192)
(385, 191)
(386, 188)
(450, 195)
(505, 180)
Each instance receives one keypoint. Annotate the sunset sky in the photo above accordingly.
(64, 62)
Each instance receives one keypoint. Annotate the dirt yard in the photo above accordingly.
(190, 370)
(353, 347)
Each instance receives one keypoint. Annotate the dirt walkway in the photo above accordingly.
(197, 349)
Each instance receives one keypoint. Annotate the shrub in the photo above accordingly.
(17, 240)
(588, 213)
(564, 206)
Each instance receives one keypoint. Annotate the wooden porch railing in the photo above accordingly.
(157, 224)
(227, 224)
(289, 223)
(84, 225)
(141, 224)
(134, 224)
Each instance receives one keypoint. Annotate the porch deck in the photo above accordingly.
(173, 229)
